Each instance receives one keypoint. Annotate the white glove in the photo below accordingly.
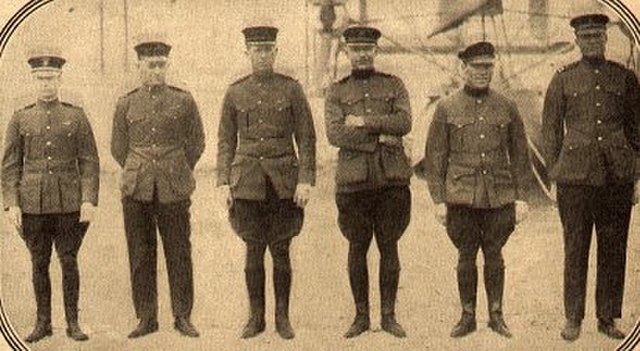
(440, 211)
(225, 191)
(522, 211)
(87, 212)
(302, 194)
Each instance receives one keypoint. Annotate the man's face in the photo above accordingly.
(592, 42)
(262, 57)
(362, 55)
(47, 84)
(153, 69)
(478, 71)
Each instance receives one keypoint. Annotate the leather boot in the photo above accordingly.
(185, 327)
(74, 331)
(494, 285)
(41, 330)
(608, 327)
(146, 326)
(359, 282)
(388, 291)
(255, 280)
(571, 330)
(282, 286)
(467, 288)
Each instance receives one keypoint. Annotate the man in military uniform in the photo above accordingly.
(591, 142)
(367, 114)
(158, 139)
(476, 167)
(266, 185)
(50, 180)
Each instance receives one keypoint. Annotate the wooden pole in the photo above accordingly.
(363, 12)
(102, 36)
(126, 36)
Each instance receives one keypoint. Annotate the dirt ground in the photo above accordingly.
(321, 307)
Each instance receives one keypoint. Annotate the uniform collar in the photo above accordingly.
(48, 103)
(154, 89)
(594, 61)
(362, 73)
(263, 77)
(476, 92)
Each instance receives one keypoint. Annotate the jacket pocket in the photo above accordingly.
(70, 193)
(460, 184)
(352, 167)
(504, 186)
(30, 195)
(181, 178)
(621, 157)
(573, 162)
(395, 163)
(289, 172)
(129, 176)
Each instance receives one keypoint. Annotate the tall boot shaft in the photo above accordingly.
(255, 280)
(70, 290)
(42, 290)
(282, 286)
(494, 285)
(467, 287)
(389, 279)
(359, 282)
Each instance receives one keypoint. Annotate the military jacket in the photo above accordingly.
(261, 118)
(590, 124)
(476, 152)
(50, 162)
(157, 138)
(372, 156)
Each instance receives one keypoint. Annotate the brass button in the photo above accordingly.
(484, 171)
(366, 94)
(48, 143)
(479, 101)
(597, 71)
(49, 158)
(598, 104)
(600, 138)
(259, 102)
(481, 118)
(481, 136)
(597, 87)
(153, 129)
(482, 155)
(262, 157)
(48, 127)
(261, 139)
(599, 121)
